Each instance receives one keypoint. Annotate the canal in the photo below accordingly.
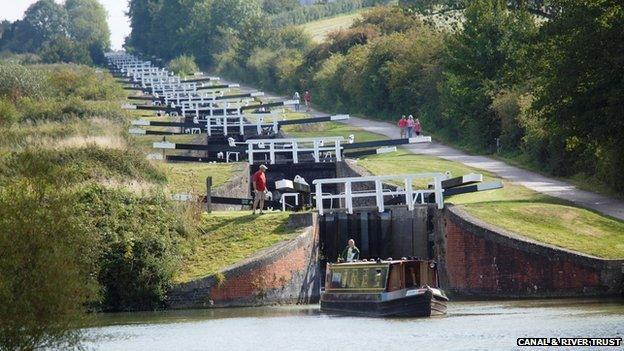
(492, 325)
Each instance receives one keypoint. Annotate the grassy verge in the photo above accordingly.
(556, 224)
(229, 237)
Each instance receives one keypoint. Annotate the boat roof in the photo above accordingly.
(373, 262)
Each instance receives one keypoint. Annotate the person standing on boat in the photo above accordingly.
(259, 185)
(351, 252)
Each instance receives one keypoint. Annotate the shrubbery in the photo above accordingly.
(48, 262)
(56, 93)
(139, 236)
(183, 65)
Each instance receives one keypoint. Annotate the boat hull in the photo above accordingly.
(422, 305)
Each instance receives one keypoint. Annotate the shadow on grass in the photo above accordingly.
(241, 220)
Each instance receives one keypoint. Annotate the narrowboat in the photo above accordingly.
(391, 288)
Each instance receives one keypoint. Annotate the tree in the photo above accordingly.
(580, 92)
(277, 6)
(183, 65)
(483, 59)
(87, 23)
(142, 21)
(63, 49)
(47, 266)
(43, 21)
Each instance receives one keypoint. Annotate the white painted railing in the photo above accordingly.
(273, 147)
(378, 192)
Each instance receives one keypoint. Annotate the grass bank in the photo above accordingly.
(229, 237)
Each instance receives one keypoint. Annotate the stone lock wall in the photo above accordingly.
(285, 273)
(478, 260)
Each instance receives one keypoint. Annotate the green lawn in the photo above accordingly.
(326, 129)
(191, 177)
(229, 237)
(557, 224)
(319, 29)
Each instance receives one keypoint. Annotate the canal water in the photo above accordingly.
(492, 325)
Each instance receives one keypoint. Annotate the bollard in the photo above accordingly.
(208, 194)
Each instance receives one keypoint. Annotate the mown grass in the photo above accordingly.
(556, 224)
(514, 207)
(326, 129)
(229, 237)
(319, 29)
(191, 177)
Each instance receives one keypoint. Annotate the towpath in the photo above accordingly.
(534, 181)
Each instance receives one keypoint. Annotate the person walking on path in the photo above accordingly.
(307, 97)
(351, 252)
(410, 126)
(417, 127)
(298, 99)
(402, 125)
(259, 185)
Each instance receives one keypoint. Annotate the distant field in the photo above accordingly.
(319, 29)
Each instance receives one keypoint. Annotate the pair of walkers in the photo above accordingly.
(307, 99)
(409, 126)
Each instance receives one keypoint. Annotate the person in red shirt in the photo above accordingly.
(402, 125)
(258, 180)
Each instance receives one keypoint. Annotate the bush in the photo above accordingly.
(140, 237)
(8, 113)
(82, 82)
(47, 266)
(18, 81)
(40, 110)
(183, 65)
(79, 164)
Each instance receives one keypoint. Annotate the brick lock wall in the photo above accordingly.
(257, 282)
(285, 273)
(482, 262)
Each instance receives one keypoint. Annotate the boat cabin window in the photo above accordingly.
(395, 279)
(358, 278)
(412, 275)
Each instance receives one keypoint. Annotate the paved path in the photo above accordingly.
(556, 188)
(531, 180)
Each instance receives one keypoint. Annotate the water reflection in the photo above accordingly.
(468, 325)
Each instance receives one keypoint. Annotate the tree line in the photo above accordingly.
(539, 82)
(207, 28)
(75, 31)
